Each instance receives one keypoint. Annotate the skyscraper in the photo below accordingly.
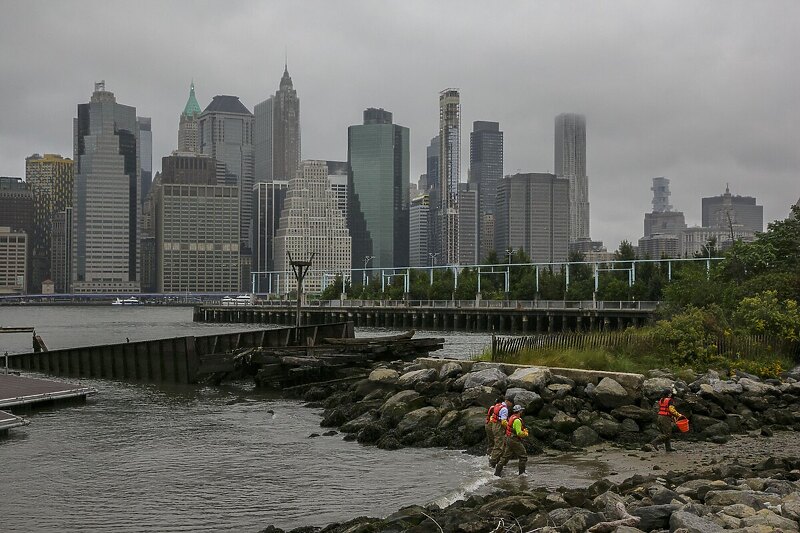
(105, 196)
(486, 161)
(378, 157)
(449, 174)
(197, 227)
(663, 228)
(570, 163)
(13, 260)
(311, 222)
(187, 127)
(532, 214)
(338, 175)
(268, 200)
(277, 133)
(432, 163)
(145, 156)
(468, 225)
(50, 178)
(726, 210)
(418, 248)
(225, 133)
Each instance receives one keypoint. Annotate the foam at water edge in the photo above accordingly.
(485, 476)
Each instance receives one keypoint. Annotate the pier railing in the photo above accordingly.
(473, 304)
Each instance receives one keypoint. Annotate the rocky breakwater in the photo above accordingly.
(727, 497)
(435, 402)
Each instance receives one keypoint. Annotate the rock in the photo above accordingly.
(654, 516)
(791, 509)
(606, 503)
(724, 498)
(720, 429)
(531, 401)
(754, 401)
(450, 418)
(635, 413)
(584, 436)
(425, 417)
(532, 378)
(607, 429)
(663, 496)
(384, 375)
(692, 523)
(479, 396)
(370, 433)
(738, 510)
(472, 430)
(560, 390)
(410, 379)
(396, 407)
(628, 529)
(513, 506)
(629, 426)
(389, 442)
(726, 387)
(490, 377)
(581, 521)
(354, 426)
(653, 388)
(564, 423)
(413, 514)
(610, 394)
(757, 387)
(765, 517)
(450, 370)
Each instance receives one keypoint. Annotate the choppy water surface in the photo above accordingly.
(152, 458)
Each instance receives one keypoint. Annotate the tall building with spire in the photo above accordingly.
(187, 128)
(276, 136)
(449, 175)
(570, 163)
(105, 196)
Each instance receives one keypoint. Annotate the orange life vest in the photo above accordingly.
(511, 420)
(493, 413)
(663, 406)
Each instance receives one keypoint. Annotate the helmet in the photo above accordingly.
(518, 408)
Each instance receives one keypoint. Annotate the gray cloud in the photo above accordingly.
(703, 93)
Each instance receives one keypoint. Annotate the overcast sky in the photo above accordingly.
(704, 93)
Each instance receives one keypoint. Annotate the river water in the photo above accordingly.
(140, 457)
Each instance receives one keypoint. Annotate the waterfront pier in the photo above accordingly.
(539, 316)
(171, 360)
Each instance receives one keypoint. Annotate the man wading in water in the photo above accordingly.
(499, 429)
(515, 449)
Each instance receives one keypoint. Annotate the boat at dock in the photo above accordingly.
(132, 300)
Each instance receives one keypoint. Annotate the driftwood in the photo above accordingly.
(626, 519)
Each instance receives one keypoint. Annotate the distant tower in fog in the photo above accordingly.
(570, 163)
(449, 175)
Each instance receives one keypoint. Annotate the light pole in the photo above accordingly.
(510, 254)
(432, 257)
(367, 259)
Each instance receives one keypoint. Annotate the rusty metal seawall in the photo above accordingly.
(172, 360)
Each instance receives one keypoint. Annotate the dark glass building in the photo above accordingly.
(377, 188)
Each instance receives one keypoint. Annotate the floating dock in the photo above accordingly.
(17, 391)
(8, 421)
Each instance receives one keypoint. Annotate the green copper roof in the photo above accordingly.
(192, 107)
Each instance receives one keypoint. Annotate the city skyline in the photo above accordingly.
(681, 107)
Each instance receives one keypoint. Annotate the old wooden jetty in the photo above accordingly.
(331, 360)
(172, 360)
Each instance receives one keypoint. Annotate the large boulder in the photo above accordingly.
(426, 417)
(396, 407)
(654, 516)
(634, 412)
(410, 379)
(514, 506)
(490, 377)
(473, 420)
(653, 388)
(608, 429)
(527, 399)
(480, 396)
(693, 523)
(450, 370)
(384, 375)
(766, 517)
(564, 423)
(757, 387)
(533, 378)
(610, 394)
(354, 426)
(726, 387)
(584, 436)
